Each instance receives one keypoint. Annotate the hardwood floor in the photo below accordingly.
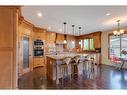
(104, 77)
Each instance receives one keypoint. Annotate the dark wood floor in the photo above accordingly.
(104, 77)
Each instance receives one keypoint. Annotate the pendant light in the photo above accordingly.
(73, 42)
(65, 36)
(79, 34)
(119, 31)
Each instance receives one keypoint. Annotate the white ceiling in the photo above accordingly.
(90, 18)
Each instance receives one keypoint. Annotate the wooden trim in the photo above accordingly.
(25, 22)
(38, 28)
(88, 35)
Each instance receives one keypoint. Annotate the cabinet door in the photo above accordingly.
(39, 34)
(39, 62)
(25, 52)
(97, 40)
(26, 58)
(50, 37)
(60, 38)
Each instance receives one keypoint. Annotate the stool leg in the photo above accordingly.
(72, 67)
(62, 74)
(67, 71)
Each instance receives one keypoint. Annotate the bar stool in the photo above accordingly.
(65, 65)
(74, 65)
(86, 63)
(92, 63)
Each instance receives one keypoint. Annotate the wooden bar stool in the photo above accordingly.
(86, 63)
(92, 63)
(74, 65)
(65, 65)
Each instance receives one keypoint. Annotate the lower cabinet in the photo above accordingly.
(39, 61)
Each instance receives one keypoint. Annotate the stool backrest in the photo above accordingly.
(76, 59)
(66, 60)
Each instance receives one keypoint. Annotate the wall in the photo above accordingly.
(104, 48)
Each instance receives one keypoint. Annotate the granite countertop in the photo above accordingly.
(61, 56)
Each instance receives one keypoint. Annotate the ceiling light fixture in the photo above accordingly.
(119, 31)
(65, 36)
(79, 34)
(39, 14)
(73, 42)
(108, 14)
(49, 28)
(60, 30)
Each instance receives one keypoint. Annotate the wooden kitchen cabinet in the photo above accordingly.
(50, 37)
(60, 39)
(39, 33)
(39, 61)
(97, 40)
(8, 47)
(25, 31)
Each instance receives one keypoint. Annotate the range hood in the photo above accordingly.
(59, 39)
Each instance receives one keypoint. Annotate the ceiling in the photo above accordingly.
(90, 18)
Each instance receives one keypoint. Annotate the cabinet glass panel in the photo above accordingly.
(25, 52)
(86, 44)
(91, 44)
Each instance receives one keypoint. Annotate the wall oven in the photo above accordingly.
(38, 42)
(38, 52)
(38, 48)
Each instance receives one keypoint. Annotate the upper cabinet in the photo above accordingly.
(97, 40)
(59, 38)
(50, 37)
(96, 36)
(39, 33)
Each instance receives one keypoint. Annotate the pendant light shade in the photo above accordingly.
(65, 36)
(79, 34)
(73, 42)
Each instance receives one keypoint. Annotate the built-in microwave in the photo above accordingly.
(38, 52)
(38, 42)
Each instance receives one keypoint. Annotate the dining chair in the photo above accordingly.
(115, 61)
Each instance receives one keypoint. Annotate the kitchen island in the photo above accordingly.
(54, 70)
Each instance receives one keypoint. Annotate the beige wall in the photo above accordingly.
(104, 48)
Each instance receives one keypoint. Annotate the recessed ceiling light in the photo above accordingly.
(60, 30)
(49, 28)
(108, 14)
(39, 14)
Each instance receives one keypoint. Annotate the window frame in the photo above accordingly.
(111, 34)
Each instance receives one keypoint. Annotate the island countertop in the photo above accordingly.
(62, 56)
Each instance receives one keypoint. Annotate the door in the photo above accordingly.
(25, 52)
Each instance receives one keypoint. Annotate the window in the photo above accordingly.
(116, 45)
(88, 44)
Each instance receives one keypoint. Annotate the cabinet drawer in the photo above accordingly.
(39, 62)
